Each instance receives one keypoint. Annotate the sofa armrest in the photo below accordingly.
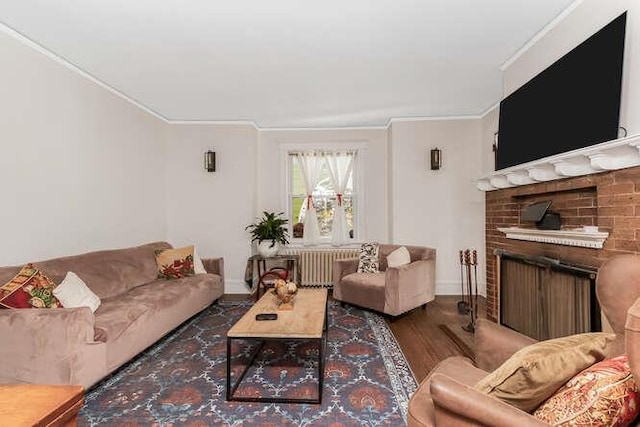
(214, 266)
(494, 344)
(459, 404)
(409, 286)
(50, 346)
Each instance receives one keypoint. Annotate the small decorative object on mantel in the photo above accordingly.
(285, 292)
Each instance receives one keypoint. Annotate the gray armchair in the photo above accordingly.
(394, 290)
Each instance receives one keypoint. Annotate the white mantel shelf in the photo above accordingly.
(617, 154)
(572, 237)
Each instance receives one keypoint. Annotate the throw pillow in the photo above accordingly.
(198, 266)
(368, 260)
(399, 257)
(30, 288)
(535, 372)
(175, 263)
(603, 394)
(73, 292)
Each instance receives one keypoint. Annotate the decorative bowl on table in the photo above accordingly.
(285, 292)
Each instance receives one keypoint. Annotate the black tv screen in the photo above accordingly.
(572, 104)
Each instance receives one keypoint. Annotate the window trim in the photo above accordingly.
(358, 170)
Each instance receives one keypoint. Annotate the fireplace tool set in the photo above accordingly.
(469, 305)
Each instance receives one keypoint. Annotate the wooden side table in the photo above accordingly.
(259, 265)
(40, 405)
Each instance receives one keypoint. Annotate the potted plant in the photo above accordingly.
(270, 232)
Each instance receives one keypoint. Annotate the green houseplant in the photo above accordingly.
(270, 232)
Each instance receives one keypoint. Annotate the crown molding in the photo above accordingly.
(533, 40)
(62, 61)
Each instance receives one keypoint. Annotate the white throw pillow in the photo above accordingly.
(73, 292)
(399, 257)
(198, 266)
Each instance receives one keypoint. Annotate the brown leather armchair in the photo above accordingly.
(447, 397)
(394, 290)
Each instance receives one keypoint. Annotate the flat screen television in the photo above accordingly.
(572, 104)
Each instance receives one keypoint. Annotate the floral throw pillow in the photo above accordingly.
(603, 394)
(368, 260)
(30, 288)
(175, 263)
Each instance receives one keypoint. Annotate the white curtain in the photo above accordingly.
(340, 165)
(310, 165)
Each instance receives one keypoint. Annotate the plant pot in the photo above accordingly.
(266, 250)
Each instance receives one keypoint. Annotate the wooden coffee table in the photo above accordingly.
(307, 321)
(40, 405)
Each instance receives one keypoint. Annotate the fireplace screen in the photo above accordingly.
(546, 299)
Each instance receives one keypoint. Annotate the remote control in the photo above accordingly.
(266, 316)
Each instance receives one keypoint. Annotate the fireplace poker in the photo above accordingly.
(467, 261)
(474, 261)
(463, 307)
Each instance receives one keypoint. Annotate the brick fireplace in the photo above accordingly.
(609, 200)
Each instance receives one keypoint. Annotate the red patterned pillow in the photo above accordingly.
(30, 288)
(603, 394)
(175, 263)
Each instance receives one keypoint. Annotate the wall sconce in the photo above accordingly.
(210, 161)
(436, 159)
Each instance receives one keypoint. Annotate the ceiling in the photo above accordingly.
(290, 63)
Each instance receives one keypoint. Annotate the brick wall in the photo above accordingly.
(609, 200)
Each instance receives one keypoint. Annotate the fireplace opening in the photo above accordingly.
(545, 298)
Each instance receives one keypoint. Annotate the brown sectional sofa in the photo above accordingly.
(76, 346)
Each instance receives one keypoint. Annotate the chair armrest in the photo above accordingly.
(632, 339)
(343, 267)
(409, 286)
(459, 404)
(214, 266)
(494, 344)
(428, 253)
(50, 346)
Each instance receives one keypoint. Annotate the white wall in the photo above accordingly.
(270, 170)
(211, 209)
(80, 168)
(440, 209)
(587, 18)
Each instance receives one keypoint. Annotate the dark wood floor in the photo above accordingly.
(423, 341)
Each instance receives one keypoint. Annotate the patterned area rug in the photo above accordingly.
(181, 380)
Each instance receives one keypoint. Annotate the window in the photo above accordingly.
(322, 202)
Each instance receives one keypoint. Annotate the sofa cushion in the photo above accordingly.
(198, 266)
(368, 258)
(154, 309)
(603, 394)
(30, 288)
(116, 314)
(399, 257)
(364, 289)
(175, 263)
(535, 372)
(107, 273)
(73, 292)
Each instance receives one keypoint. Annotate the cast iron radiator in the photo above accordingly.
(316, 265)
